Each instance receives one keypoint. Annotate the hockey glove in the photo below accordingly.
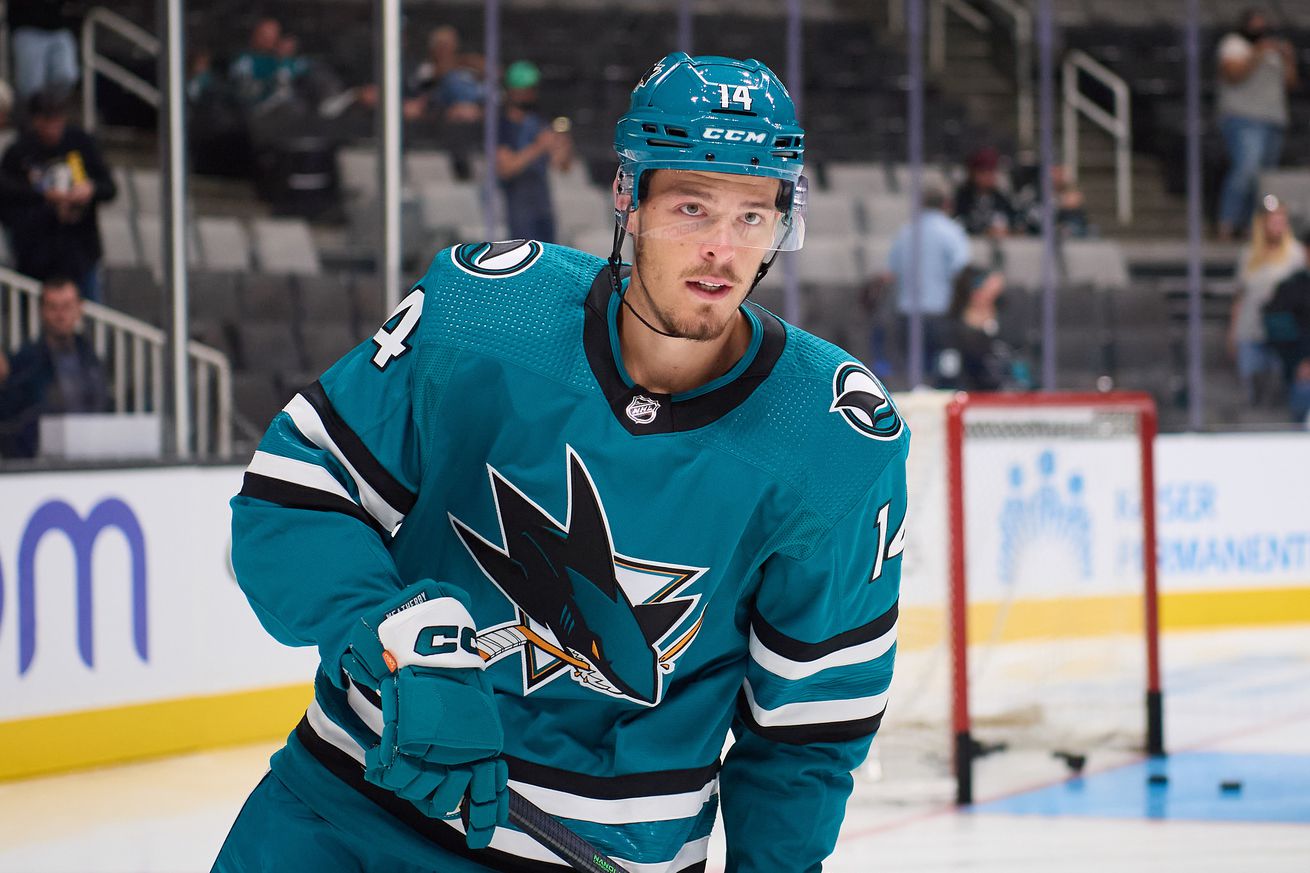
(441, 732)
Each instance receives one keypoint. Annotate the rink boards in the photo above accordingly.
(123, 633)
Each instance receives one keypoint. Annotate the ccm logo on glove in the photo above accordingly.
(436, 633)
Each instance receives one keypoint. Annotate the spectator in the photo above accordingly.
(1272, 255)
(980, 205)
(945, 251)
(1287, 331)
(257, 72)
(448, 83)
(972, 357)
(51, 179)
(528, 147)
(55, 374)
(45, 51)
(1255, 72)
(6, 113)
(1070, 211)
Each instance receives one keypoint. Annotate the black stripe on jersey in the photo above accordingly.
(795, 650)
(670, 416)
(802, 734)
(294, 496)
(349, 771)
(387, 486)
(649, 784)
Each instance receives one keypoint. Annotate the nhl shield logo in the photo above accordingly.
(643, 409)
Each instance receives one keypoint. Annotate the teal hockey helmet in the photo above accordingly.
(716, 115)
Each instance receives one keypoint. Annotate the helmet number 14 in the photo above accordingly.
(740, 94)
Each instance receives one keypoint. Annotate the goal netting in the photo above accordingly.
(1030, 535)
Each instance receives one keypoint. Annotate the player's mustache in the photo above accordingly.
(708, 270)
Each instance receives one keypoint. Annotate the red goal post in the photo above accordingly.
(1070, 477)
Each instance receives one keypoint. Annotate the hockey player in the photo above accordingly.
(561, 525)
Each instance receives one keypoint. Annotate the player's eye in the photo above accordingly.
(753, 218)
(695, 210)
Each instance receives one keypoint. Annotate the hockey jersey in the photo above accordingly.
(647, 571)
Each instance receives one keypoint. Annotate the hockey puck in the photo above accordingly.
(1230, 785)
(1157, 779)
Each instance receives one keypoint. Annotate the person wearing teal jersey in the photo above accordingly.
(563, 524)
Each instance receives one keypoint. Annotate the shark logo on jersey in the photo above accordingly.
(864, 403)
(616, 624)
(497, 260)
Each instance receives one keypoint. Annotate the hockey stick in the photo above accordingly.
(551, 833)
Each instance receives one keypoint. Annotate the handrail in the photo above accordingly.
(937, 28)
(93, 63)
(134, 352)
(1117, 123)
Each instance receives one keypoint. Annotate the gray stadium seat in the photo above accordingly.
(857, 178)
(224, 244)
(326, 297)
(423, 166)
(268, 346)
(831, 213)
(578, 209)
(285, 246)
(134, 291)
(829, 262)
(358, 169)
(884, 214)
(214, 296)
(119, 239)
(146, 190)
(1097, 263)
(326, 341)
(446, 206)
(1021, 259)
(257, 398)
(1292, 186)
(268, 297)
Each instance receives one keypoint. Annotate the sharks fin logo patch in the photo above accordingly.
(614, 623)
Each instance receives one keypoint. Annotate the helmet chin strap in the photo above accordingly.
(616, 264)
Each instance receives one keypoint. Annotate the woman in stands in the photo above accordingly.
(973, 357)
(1272, 255)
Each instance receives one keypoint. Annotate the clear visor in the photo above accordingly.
(739, 211)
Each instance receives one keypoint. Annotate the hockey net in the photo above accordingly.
(1030, 534)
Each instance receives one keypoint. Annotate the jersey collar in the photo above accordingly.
(642, 411)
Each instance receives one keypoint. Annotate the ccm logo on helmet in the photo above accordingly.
(735, 135)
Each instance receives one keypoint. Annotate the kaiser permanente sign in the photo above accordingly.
(123, 633)
(122, 630)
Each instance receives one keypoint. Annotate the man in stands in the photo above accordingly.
(448, 83)
(1255, 71)
(257, 72)
(945, 251)
(980, 205)
(45, 50)
(51, 180)
(56, 373)
(528, 148)
(593, 516)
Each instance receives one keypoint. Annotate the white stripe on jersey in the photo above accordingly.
(517, 843)
(814, 711)
(309, 423)
(297, 473)
(627, 810)
(333, 733)
(621, 811)
(785, 668)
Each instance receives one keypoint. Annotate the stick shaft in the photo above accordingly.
(547, 830)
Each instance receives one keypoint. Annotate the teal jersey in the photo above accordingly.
(648, 572)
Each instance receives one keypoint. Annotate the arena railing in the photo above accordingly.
(1117, 122)
(135, 353)
(94, 63)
